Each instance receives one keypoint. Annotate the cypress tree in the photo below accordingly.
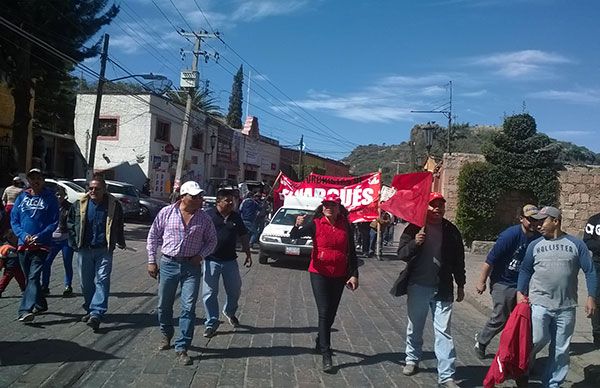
(234, 115)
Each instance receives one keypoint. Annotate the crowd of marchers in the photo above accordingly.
(531, 270)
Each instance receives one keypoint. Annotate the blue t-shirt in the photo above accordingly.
(249, 209)
(507, 254)
(95, 224)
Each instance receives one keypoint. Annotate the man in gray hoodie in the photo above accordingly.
(548, 280)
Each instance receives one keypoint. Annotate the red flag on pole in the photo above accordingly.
(411, 199)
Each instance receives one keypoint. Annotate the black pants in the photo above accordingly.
(596, 316)
(327, 292)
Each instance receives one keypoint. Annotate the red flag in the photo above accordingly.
(411, 199)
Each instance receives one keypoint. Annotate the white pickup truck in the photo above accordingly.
(275, 241)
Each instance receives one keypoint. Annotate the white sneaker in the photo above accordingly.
(410, 369)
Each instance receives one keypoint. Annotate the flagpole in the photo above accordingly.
(378, 242)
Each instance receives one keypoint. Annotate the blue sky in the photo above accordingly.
(349, 72)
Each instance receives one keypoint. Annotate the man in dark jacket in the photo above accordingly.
(33, 219)
(591, 237)
(435, 255)
(95, 226)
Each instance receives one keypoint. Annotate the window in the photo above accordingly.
(163, 131)
(108, 128)
(197, 140)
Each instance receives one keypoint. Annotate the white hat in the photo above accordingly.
(17, 179)
(34, 171)
(191, 188)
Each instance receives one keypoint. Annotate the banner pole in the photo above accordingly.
(379, 242)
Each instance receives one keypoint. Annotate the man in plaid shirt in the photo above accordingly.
(185, 235)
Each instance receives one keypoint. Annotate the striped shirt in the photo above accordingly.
(178, 240)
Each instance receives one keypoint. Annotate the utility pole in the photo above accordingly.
(300, 166)
(398, 163)
(96, 119)
(191, 91)
(446, 112)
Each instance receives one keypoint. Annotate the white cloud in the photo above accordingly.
(250, 10)
(476, 93)
(569, 96)
(388, 100)
(525, 63)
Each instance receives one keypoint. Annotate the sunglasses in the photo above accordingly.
(197, 196)
(95, 188)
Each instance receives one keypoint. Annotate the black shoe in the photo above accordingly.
(94, 323)
(479, 350)
(27, 317)
(68, 292)
(327, 362)
(85, 318)
(45, 291)
(210, 332)
(39, 310)
(233, 321)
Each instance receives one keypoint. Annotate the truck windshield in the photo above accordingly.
(288, 216)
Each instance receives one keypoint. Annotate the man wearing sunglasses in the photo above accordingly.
(185, 236)
(502, 267)
(95, 226)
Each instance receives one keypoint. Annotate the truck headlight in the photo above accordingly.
(270, 239)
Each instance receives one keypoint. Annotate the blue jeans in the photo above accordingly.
(420, 301)
(555, 327)
(251, 226)
(67, 255)
(172, 274)
(95, 266)
(32, 263)
(232, 282)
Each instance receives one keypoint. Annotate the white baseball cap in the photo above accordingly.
(191, 188)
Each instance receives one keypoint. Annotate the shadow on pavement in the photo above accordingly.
(232, 353)
(127, 321)
(471, 375)
(47, 351)
(131, 294)
(393, 357)
(246, 329)
(579, 348)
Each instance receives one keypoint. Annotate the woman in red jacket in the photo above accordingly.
(333, 265)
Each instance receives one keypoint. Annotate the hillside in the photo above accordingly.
(464, 138)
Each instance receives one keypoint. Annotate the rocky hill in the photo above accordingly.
(410, 156)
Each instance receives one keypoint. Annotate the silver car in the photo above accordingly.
(126, 193)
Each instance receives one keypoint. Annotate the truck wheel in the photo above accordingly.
(263, 259)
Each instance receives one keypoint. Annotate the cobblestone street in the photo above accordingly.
(272, 348)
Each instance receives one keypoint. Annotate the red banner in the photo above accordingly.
(360, 195)
(411, 199)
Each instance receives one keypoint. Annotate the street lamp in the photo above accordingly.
(213, 142)
(166, 84)
(429, 129)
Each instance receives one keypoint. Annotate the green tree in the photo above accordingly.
(203, 100)
(518, 160)
(29, 69)
(234, 114)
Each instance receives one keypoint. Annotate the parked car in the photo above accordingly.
(209, 202)
(149, 207)
(74, 191)
(275, 242)
(126, 193)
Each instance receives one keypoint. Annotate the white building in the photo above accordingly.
(139, 138)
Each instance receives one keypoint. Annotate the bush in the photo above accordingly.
(517, 159)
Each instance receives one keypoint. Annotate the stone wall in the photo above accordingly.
(579, 196)
(449, 178)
